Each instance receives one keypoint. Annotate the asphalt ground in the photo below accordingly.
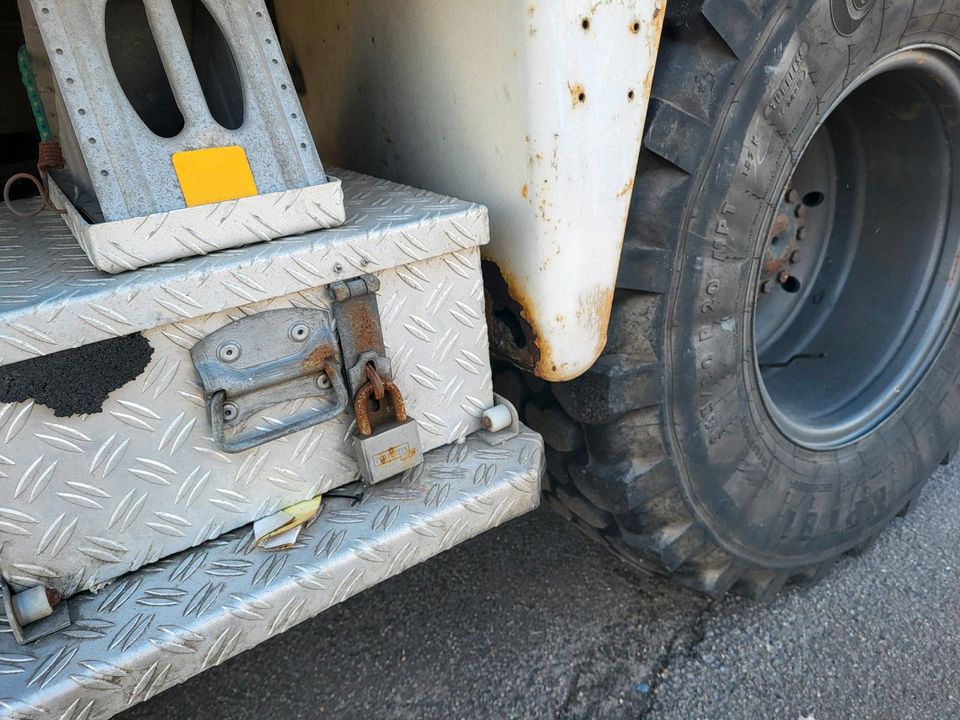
(533, 620)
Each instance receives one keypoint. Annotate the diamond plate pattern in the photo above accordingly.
(52, 299)
(136, 242)
(169, 621)
(86, 499)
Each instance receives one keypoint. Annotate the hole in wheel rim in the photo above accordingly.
(871, 213)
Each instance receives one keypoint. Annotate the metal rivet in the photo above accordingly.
(228, 352)
(323, 382)
(337, 268)
(364, 262)
(230, 411)
(299, 331)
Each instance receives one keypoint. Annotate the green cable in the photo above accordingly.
(33, 93)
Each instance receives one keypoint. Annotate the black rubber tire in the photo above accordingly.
(663, 450)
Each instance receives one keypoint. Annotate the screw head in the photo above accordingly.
(299, 331)
(229, 352)
(337, 268)
(323, 382)
(230, 411)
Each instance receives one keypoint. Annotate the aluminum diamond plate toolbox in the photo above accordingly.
(159, 626)
(87, 498)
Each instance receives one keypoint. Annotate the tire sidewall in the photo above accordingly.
(762, 497)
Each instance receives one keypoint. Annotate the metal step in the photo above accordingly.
(166, 622)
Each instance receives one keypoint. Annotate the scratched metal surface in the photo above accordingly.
(161, 625)
(88, 498)
(52, 299)
(122, 245)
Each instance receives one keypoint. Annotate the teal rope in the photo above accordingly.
(33, 93)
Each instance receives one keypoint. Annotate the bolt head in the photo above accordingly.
(783, 276)
(323, 382)
(765, 287)
(230, 411)
(229, 352)
(802, 234)
(792, 196)
(299, 332)
(795, 256)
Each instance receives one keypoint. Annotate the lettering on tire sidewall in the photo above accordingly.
(760, 492)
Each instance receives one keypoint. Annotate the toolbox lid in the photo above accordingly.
(52, 298)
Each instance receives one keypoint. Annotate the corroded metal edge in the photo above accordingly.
(161, 625)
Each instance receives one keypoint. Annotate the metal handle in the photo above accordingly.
(302, 421)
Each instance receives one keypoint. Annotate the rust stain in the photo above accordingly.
(635, 26)
(397, 453)
(525, 191)
(364, 326)
(542, 209)
(627, 188)
(319, 357)
(578, 93)
(511, 332)
(531, 11)
(515, 332)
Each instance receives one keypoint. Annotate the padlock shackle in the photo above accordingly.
(362, 399)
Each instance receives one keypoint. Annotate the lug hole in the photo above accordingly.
(230, 412)
(791, 285)
(812, 199)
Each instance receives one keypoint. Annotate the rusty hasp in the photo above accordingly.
(358, 325)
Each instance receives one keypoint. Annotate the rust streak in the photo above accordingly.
(318, 358)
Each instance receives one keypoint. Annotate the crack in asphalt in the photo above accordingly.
(682, 644)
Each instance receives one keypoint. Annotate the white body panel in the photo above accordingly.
(483, 100)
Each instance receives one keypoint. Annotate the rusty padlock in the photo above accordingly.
(390, 448)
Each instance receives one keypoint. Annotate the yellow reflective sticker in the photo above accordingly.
(212, 175)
